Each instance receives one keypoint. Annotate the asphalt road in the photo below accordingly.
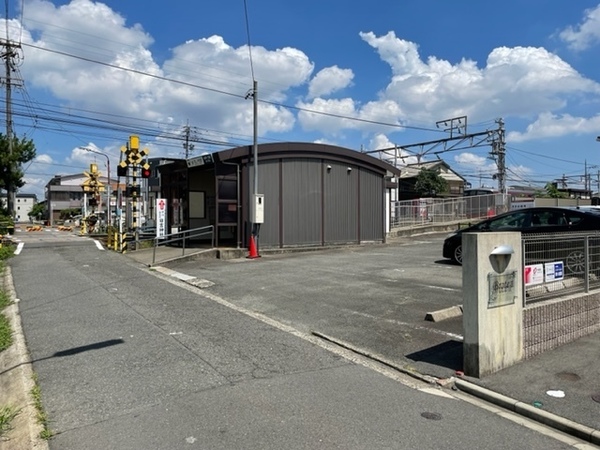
(128, 359)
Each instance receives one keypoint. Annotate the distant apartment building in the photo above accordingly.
(23, 205)
(63, 192)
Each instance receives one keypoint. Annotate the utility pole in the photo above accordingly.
(10, 54)
(585, 177)
(499, 152)
(187, 145)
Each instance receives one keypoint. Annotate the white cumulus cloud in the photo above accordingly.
(585, 34)
(550, 125)
(329, 80)
(517, 81)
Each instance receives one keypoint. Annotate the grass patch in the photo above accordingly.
(6, 251)
(5, 328)
(41, 416)
(4, 300)
(6, 337)
(7, 415)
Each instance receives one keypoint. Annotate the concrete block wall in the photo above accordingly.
(554, 323)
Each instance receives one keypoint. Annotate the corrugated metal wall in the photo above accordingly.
(341, 203)
(318, 202)
(269, 185)
(372, 206)
(301, 202)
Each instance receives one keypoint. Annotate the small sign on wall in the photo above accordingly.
(543, 273)
(161, 217)
(502, 289)
(534, 274)
(554, 271)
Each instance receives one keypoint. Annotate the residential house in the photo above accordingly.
(65, 192)
(410, 172)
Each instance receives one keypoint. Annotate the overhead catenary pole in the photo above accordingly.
(501, 153)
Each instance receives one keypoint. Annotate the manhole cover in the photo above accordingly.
(568, 376)
(431, 415)
(596, 397)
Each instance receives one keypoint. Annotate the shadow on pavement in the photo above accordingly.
(86, 348)
(448, 354)
(70, 352)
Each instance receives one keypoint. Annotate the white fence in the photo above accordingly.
(439, 210)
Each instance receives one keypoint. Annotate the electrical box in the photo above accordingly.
(257, 211)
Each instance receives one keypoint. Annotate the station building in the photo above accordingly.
(314, 194)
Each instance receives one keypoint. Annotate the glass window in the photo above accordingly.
(227, 189)
(573, 218)
(227, 213)
(548, 219)
(515, 221)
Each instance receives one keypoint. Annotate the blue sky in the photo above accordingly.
(396, 66)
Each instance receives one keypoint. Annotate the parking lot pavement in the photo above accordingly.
(373, 297)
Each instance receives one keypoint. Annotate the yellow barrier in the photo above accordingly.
(123, 243)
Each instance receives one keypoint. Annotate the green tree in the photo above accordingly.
(551, 190)
(69, 213)
(37, 211)
(12, 155)
(430, 183)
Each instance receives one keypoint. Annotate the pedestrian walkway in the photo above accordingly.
(165, 254)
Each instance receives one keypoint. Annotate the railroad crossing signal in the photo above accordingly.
(135, 158)
(135, 155)
(134, 164)
(92, 183)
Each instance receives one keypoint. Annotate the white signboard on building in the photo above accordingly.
(161, 217)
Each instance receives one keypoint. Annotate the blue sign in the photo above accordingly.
(554, 271)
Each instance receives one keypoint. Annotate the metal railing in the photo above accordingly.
(560, 264)
(439, 210)
(183, 237)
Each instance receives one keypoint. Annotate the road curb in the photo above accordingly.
(518, 407)
(17, 373)
(524, 409)
(405, 370)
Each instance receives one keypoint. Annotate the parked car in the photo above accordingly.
(528, 221)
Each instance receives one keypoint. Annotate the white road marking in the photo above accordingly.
(439, 287)
(198, 282)
(98, 244)
(19, 248)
